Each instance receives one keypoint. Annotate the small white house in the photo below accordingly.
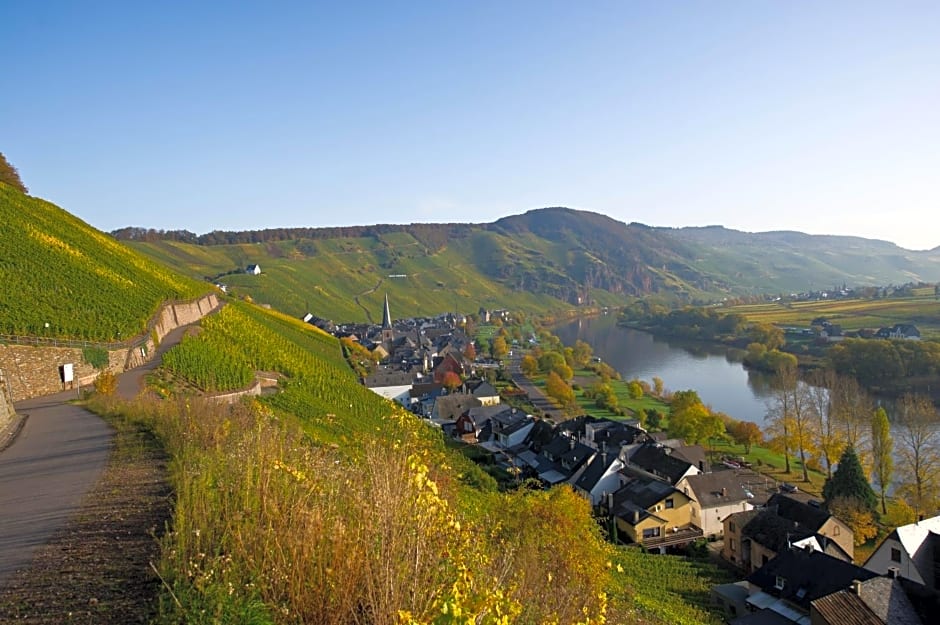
(254, 270)
(908, 552)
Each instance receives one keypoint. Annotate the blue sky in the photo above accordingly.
(819, 117)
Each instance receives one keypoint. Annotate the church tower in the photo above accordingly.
(388, 334)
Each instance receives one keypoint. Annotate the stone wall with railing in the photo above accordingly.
(6, 406)
(33, 365)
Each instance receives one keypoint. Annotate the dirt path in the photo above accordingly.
(372, 290)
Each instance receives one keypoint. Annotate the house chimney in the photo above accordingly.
(610, 502)
(893, 572)
(724, 491)
(854, 586)
(571, 443)
(636, 517)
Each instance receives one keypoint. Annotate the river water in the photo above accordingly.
(723, 384)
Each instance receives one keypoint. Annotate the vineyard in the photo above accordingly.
(921, 310)
(361, 448)
(64, 279)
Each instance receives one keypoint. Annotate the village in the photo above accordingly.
(795, 561)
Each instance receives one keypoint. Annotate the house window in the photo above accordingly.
(731, 526)
(779, 583)
(895, 555)
(731, 544)
(763, 559)
(670, 503)
(835, 530)
(650, 532)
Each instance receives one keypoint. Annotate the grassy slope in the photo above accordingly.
(56, 269)
(329, 274)
(334, 410)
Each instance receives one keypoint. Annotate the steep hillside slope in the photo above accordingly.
(544, 259)
(62, 278)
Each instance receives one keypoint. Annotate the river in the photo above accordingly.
(724, 385)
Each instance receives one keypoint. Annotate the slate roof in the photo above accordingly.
(656, 460)
(638, 495)
(792, 509)
(596, 468)
(808, 575)
(773, 531)
(454, 405)
(707, 488)
(484, 389)
(381, 378)
(879, 601)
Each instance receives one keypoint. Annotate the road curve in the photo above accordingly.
(57, 457)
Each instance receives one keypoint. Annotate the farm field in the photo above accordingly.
(920, 310)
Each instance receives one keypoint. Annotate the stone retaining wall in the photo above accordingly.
(34, 371)
(6, 406)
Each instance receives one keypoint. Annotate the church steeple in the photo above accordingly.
(388, 334)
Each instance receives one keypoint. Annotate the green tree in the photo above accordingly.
(849, 481)
(658, 386)
(10, 176)
(635, 390)
(582, 353)
(882, 446)
(770, 336)
(550, 361)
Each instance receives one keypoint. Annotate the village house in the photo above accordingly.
(254, 270)
(781, 592)
(910, 552)
(714, 497)
(652, 513)
(877, 601)
(754, 537)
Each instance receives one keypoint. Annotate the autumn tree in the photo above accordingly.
(791, 417)
(849, 481)
(853, 513)
(658, 386)
(557, 389)
(691, 420)
(829, 439)
(470, 352)
(851, 410)
(918, 445)
(582, 353)
(451, 381)
(635, 389)
(746, 433)
(529, 366)
(500, 349)
(882, 447)
(10, 176)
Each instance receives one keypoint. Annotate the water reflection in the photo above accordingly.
(711, 370)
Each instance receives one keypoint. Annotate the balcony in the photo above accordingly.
(674, 538)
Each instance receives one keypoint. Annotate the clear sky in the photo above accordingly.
(822, 117)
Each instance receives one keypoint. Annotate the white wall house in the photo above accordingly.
(909, 551)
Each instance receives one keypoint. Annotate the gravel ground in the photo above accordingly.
(97, 568)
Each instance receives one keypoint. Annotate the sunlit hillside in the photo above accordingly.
(62, 278)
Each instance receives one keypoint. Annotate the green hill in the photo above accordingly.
(542, 260)
(57, 270)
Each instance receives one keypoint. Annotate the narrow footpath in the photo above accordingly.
(57, 457)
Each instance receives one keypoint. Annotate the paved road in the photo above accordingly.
(57, 457)
(536, 396)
